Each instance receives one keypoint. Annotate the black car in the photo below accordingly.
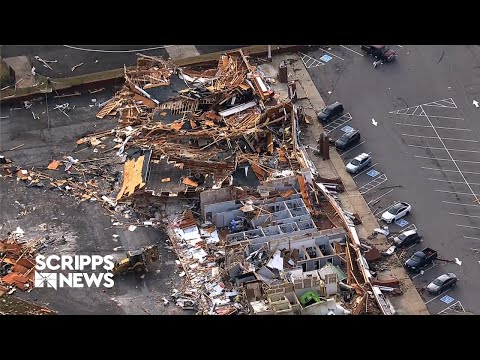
(330, 112)
(348, 139)
(407, 238)
(382, 52)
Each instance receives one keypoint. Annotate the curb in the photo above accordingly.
(117, 75)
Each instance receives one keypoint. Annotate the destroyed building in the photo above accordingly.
(265, 234)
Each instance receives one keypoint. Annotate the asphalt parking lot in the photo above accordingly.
(418, 121)
(38, 137)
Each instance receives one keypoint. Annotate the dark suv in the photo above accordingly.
(330, 112)
(348, 139)
(381, 52)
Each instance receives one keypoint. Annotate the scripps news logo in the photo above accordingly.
(74, 271)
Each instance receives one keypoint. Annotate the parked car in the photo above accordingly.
(442, 283)
(359, 163)
(347, 140)
(396, 212)
(381, 52)
(420, 259)
(407, 238)
(330, 112)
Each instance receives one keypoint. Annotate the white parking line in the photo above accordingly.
(437, 137)
(437, 159)
(360, 173)
(455, 182)
(342, 120)
(343, 153)
(332, 54)
(372, 184)
(424, 271)
(378, 198)
(455, 203)
(437, 296)
(446, 117)
(474, 216)
(400, 46)
(408, 228)
(465, 172)
(437, 148)
(351, 50)
(428, 126)
(468, 226)
(471, 237)
(456, 192)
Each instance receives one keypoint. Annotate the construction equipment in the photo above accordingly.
(137, 260)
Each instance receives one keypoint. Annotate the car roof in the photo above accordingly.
(444, 277)
(335, 104)
(378, 46)
(361, 156)
(409, 232)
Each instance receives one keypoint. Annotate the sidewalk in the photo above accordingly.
(410, 301)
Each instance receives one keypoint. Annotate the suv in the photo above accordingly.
(330, 112)
(381, 52)
(359, 163)
(347, 140)
(407, 238)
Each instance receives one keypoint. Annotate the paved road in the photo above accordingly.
(427, 155)
(108, 56)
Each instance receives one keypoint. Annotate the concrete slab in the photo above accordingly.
(182, 51)
(23, 71)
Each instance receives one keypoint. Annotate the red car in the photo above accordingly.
(381, 52)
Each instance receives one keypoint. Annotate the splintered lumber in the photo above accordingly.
(132, 177)
(107, 109)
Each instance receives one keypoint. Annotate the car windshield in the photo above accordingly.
(437, 282)
(326, 111)
(416, 258)
(401, 237)
(385, 49)
(355, 162)
(394, 209)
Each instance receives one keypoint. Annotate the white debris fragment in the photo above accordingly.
(182, 274)
(132, 228)
(18, 232)
(117, 248)
(115, 236)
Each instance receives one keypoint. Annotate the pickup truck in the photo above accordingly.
(420, 259)
(381, 52)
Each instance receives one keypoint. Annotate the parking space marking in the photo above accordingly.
(455, 182)
(456, 307)
(428, 126)
(386, 209)
(401, 222)
(413, 227)
(372, 184)
(351, 50)
(337, 123)
(378, 198)
(438, 159)
(468, 226)
(436, 137)
(447, 103)
(437, 148)
(465, 172)
(471, 237)
(447, 299)
(455, 203)
(474, 216)
(436, 296)
(424, 271)
(455, 192)
(346, 129)
(343, 153)
(360, 173)
(325, 51)
(310, 62)
(446, 117)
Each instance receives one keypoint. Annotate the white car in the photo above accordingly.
(396, 212)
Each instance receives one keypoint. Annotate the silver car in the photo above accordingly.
(359, 163)
(442, 283)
